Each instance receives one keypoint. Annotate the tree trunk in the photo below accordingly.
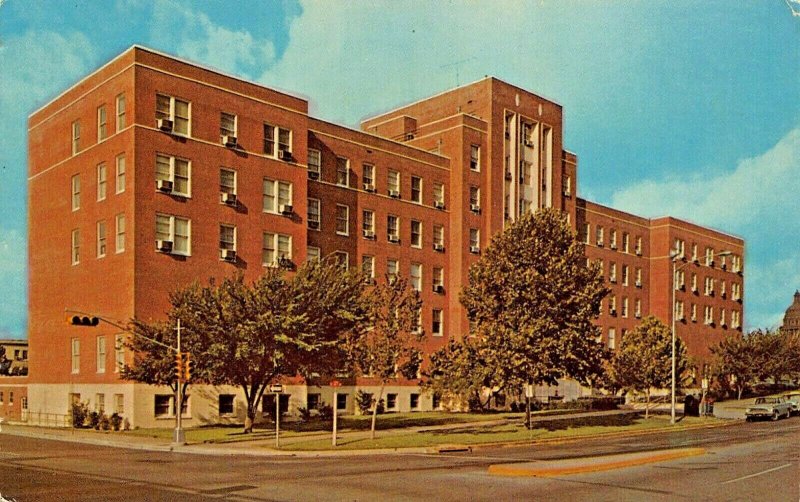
(248, 421)
(647, 405)
(739, 391)
(375, 412)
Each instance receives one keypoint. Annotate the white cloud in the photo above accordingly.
(193, 35)
(759, 200)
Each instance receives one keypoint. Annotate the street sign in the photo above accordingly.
(529, 390)
(276, 388)
(335, 383)
(705, 384)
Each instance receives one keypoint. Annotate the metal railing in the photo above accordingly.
(46, 419)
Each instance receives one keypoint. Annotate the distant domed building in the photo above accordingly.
(791, 321)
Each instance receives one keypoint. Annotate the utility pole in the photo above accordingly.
(180, 437)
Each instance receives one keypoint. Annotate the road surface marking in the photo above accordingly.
(757, 474)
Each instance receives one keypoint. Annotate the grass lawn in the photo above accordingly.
(470, 435)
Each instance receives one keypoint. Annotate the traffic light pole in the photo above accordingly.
(180, 437)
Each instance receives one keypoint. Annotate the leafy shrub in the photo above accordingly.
(104, 424)
(305, 414)
(94, 420)
(115, 421)
(325, 411)
(80, 411)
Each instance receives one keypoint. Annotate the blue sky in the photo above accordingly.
(688, 108)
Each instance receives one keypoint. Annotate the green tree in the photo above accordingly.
(390, 341)
(461, 369)
(734, 362)
(534, 302)
(643, 360)
(250, 334)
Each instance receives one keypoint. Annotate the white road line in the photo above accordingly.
(757, 474)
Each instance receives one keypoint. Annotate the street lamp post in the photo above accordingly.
(674, 256)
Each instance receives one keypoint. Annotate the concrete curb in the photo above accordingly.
(590, 464)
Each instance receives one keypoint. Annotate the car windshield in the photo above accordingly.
(766, 400)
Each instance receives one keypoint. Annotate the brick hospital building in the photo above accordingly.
(153, 172)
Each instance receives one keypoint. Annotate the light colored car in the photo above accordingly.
(794, 399)
(769, 407)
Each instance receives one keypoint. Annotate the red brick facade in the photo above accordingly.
(448, 172)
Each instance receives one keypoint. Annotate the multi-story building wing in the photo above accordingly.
(153, 172)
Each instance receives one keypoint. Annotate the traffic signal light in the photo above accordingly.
(179, 365)
(77, 320)
(187, 368)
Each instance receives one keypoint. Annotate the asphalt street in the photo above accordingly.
(746, 461)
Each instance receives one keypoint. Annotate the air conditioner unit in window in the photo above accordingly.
(638, 284)
(695, 260)
(567, 193)
(612, 279)
(724, 266)
(227, 254)
(228, 198)
(313, 175)
(438, 288)
(285, 263)
(393, 238)
(474, 249)
(395, 194)
(164, 246)
(229, 141)
(438, 247)
(612, 312)
(694, 290)
(164, 124)
(369, 187)
(475, 208)
(638, 252)
(439, 204)
(528, 142)
(638, 315)
(710, 263)
(286, 209)
(164, 185)
(600, 243)
(613, 246)
(313, 225)
(369, 280)
(508, 175)
(369, 234)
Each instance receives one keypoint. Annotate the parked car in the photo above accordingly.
(769, 407)
(794, 399)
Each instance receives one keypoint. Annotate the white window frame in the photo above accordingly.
(276, 195)
(277, 145)
(346, 231)
(313, 253)
(75, 353)
(119, 233)
(475, 238)
(172, 235)
(418, 191)
(102, 239)
(121, 121)
(396, 232)
(368, 175)
(171, 178)
(343, 258)
(102, 181)
(226, 244)
(434, 331)
(101, 354)
(274, 240)
(438, 234)
(343, 178)
(76, 137)
(119, 183)
(368, 265)
(75, 184)
(102, 124)
(228, 132)
(172, 115)
(438, 193)
(393, 182)
(475, 158)
(119, 352)
(415, 276)
(420, 238)
(225, 189)
(312, 217)
(75, 254)
(438, 276)
(314, 162)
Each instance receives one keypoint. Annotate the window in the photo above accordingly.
(275, 247)
(694, 312)
(391, 268)
(368, 223)
(736, 263)
(612, 272)
(342, 172)
(76, 355)
(100, 403)
(162, 405)
(626, 242)
(314, 214)
(475, 157)
(312, 401)
(416, 276)
(638, 277)
(613, 237)
(283, 144)
(391, 401)
(101, 239)
(314, 163)
(722, 289)
(119, 352)
(76, 246)
(694, 282)
(736, 320)
(76, 136)
(438, 195)
(101, 354)
(368, 266)
(587, 233)
(226, 404)
(680, 248)
(120, 233)
(437, 323)
(679, 310)
(601, 267)
(101, 182)
(341, 401)
(276, 195)
(438, 279)
(1, 397)
(24, 402)
(119, 404)
(342, 220)
(393, 183)
(599, 232)
(176, 230)
(416, 189)
(474, 199)
(76, 192)
(368, 177)
(121, 123)
(102, 129)
(722, 318)
(313, 253)
(680, 280)
(227, 126)
(416, 234)
(710, 257)
(342, 259)
(175, 110)
(612, 305)
(624, 275)
(438, 237)
(120, 179)
(736, 291)
(227, 239)
(709, 286)
(393, 228)
(612, 338)
(227, 183)
(637, 309)
(567, 182)
(474, 240)
(708, 317)
(694, 252)
(173, 175)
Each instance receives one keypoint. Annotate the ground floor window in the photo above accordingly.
(226, 404)
(414, 401)
(162, 405)
(341, 401)
(24, 403)
(437, 401)
(119, 404)
(312, 401)
(268, 404)
(391, 401)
